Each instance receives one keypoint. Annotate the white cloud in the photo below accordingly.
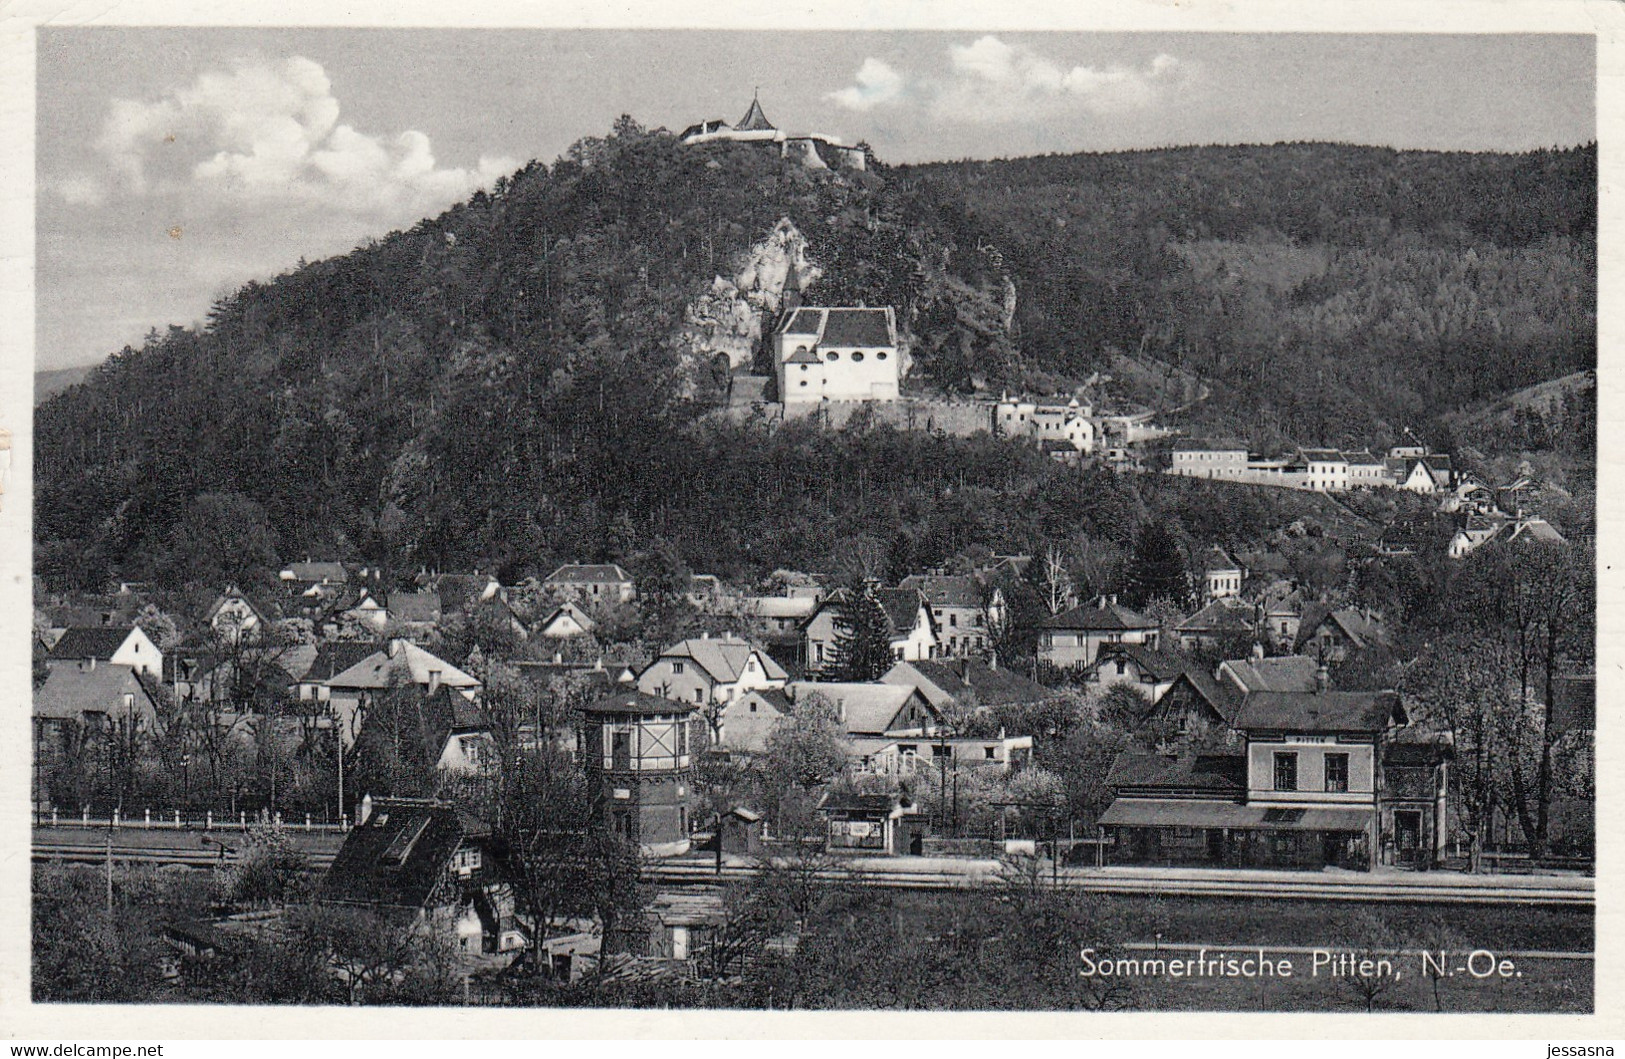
(877, 83)
(989, 80)
(263, 133)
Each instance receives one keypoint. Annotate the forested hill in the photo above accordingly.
(1327, 289)
(506, 385)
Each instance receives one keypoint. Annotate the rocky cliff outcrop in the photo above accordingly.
(727, 318)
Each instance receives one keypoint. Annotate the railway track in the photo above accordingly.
(683, 874)
(1308, 888)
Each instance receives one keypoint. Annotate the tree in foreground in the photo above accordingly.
(862, 637)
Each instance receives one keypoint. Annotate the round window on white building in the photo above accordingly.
(832, 355)
(882, 356)
(857, 355)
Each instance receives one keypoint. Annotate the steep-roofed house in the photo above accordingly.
(1225, 622)
(233, 614)
(1151, 671)
(708, 671)
(565, 622)
(911, 630)
(1286, 673)
(589, 583)
(114, 644)
(415, 613)
(1283, 614)
(744, 723)
(332, 658)
(873, 709)
(429, 866)
(398, 664)
(964, 684)
(965, 612)
(1475, 531)
(315, 572)
(1331, 634)
(82, 706)
(1074, 637)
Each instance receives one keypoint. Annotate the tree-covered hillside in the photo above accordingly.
(504, 385)
(1330, 291)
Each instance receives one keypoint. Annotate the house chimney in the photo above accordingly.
(1322, 678)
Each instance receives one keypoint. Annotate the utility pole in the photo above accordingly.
(109, 868)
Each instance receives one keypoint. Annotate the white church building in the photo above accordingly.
(837, 354)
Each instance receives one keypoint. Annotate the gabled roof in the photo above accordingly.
(98, 642)
(1101, 615)
(902, 606)
(1288, 673)
(803, 322)
(724, 658)
(1322, 711)
(802, 355)
(990, 686)
(854, 802)
(566, 610)
(946, 590)
(1216, 558)
(396, 858)
(589, 573)
(233, 595)
(797, 607)
(865, 709)
(1222, 615)
(1360, 631)
(1222, 698)
(774, 697)
(407, 663)
(335, 656)
(71, 691)
(633, 701)
(419, 607)
(1220, 774)
(1537, 529)
(318, 571)
(1162, 665)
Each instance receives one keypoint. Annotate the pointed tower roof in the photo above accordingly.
(754, 120)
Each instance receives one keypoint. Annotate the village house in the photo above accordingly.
(365, 609)
(603, 584)
(1221, 575)
(126, 646)
(332, 658)
(309, 574)
(398, 663)
(964, 611)
(414, 614)
(233, 616)
(457, 734)
(82, 705)
(904, 756)
(708, 671)
(1223, 623)
(966, 685)
(1070, 424)
(1145, 669)
(565, 622)
(837, 354)
(637, 750)
(743, 724)
(1325, 779)
(1285, 673)
(1331, 634)
(873, 710)
(1479, 530)
(1075, 637)
(1420, 471)
(430, 866)
(911, 630)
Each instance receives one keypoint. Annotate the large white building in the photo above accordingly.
(815, 150)
(837, 354)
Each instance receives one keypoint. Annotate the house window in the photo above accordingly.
(1337, 773)
(803, 382)
(881, 355)
(832, 355)
(466, 861)
(699, 694)
(677, 667)
(753, 707)
(1286, 771)
(953, 620)
(989, 752)
(1122, 667)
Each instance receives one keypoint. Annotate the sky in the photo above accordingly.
(176, 164)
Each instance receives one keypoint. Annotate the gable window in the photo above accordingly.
(1286, 771)
(753, 707)
(1337, 773)
(1122, 667)
(677, 667)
